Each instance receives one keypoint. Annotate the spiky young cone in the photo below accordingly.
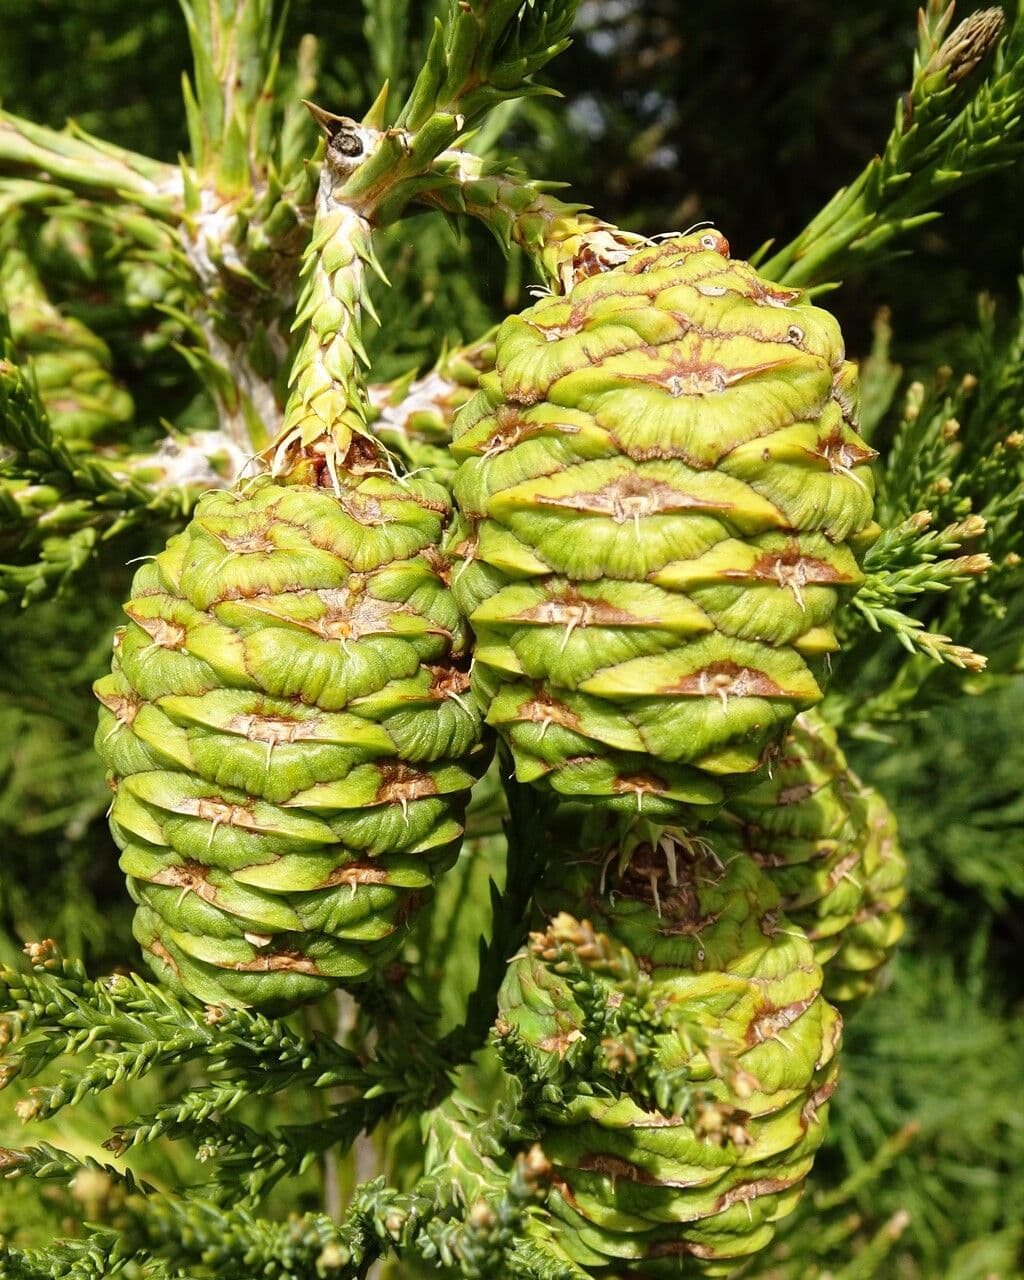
(287, 724)
(663, 498)
(692, 1055)
(868, 941)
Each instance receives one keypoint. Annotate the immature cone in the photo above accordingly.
(663, 499)
(287, 724)
(732, 1015)
(288, 737)
(803, 826)
(828, 844)
(870, 938)
(71, 366)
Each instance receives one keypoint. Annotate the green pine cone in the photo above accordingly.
(724, 1071)
(287, 735)
(828, 844)
(71, 366)
(663, 500)
(869, 940)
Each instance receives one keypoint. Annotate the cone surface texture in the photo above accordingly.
(663, 500)
(691, 1179)
(874, 932)
(289, 736)
(828, 844)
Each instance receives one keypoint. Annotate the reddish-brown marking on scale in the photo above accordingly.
(554, 330)
(468, 547)
(590, 261)
(525, 397)
(838, 450)
(400, 782)
(189, 875)
(253, 542)
(160, 951)
(513, 429)
(362, 455)
(353, 873)
(276, 962)
(679, 916)
(448, 681)
(796, 794)
(364, 509)
(125, 708)
(543, 708)
(877, 909)
(821, 1095)
(770, 1020)
(886, 846)
(769, 926)
(845, 394)
(835, 1040)
(765, 294)
(166, 634)
(696, 377)
(654, 1120)
(218, 811)
(708, 242)
(751, 837)
(773, 566)
(561, 1042)
(839, 871)
(569, 606)
(348, 616)
(680, 1249)
(636, 783)
(437, 506)
(438, 563)
(753, 1191)
(725, 677)
(630, 495)
(565, 1191)
(274, 729)
(679, 903)
(408, 905)
(599, 1162)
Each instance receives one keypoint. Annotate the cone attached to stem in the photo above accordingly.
(288, 724)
